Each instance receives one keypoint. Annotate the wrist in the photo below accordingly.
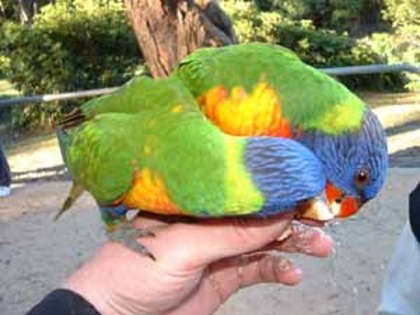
(91, 290)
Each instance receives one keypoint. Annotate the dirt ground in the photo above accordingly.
(36, 254)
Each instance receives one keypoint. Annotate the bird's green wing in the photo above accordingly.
(308, 99)
(132, 97)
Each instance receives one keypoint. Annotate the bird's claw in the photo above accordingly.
(127, 235)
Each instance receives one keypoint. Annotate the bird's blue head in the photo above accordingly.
(355, 163)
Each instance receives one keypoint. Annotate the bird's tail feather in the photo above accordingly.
(63, 141)
(73, 119)
(75, 192)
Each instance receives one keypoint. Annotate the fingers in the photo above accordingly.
(228, 276)
(250, 269)
(307, 240)
(197, 245)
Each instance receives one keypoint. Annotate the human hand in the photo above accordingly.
(198, 266)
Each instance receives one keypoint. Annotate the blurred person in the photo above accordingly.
(5, 176)
(401, 287)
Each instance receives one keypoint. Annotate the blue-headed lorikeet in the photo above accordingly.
(266, 90)
(238, 130)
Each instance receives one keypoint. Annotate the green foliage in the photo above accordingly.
(4, 64)
(87, 45)
(319, 47)
(7, 10)
(403, 44)
(357, 17)
(251, 24)
(402, 12)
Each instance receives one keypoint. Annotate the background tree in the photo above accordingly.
(83, 44)
(168, 30)
(21, 10)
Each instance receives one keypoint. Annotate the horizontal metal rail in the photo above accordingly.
(338, 71)
(368, 69)
(32, 99)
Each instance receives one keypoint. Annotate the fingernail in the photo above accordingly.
(284, 265)
(299, 273)
(303, 235)
(297, 226)
(302, 231)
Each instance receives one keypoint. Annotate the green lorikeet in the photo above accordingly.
(239, 130)
(164, 156)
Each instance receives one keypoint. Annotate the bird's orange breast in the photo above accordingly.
(242, 113)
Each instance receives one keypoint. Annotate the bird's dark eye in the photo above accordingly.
(362, 178)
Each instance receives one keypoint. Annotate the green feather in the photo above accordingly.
(136, 95)
(75, 192)
(165, 133)
(309, 99)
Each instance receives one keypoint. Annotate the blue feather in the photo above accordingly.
(285, 172)
(113, 214)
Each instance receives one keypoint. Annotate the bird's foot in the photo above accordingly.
(127, 235)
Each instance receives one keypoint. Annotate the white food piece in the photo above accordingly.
(286, 233)
(319, 210)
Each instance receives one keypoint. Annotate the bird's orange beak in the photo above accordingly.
(341, 205)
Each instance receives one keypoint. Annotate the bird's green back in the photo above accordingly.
(309, 99)
(139, 94)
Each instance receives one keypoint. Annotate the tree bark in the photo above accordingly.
(27, 10)
(168, 30)
(2, 11)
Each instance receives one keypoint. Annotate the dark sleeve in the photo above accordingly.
(414, 211)
(63, 302)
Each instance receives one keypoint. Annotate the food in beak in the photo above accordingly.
(314, 211)
(317, 209)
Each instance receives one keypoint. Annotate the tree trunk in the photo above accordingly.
(168, 30)
(27, 10)
(2, 11)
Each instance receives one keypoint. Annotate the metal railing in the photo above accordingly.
(375, 68)
(32, 99)
(338, 71)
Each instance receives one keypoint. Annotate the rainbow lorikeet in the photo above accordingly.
(240, 130)
(266, 90)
